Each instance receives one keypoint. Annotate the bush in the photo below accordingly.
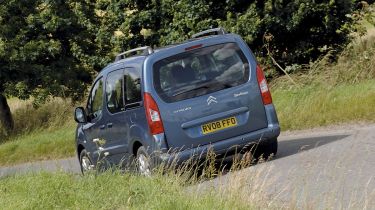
(296, 32)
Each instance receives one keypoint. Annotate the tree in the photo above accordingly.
(293, 32)
(54, 47)
(296, 31)
(46, 49)
(126, 24)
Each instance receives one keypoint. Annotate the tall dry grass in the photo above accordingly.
(330, 92)
(54, 114)
(354, 65)
(198, 185)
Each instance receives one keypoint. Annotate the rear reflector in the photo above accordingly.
(153, 115)
(264, 90)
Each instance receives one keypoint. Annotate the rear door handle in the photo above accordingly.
(109, 125)
(102, 127)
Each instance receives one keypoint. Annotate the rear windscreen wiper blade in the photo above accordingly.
(203, 86)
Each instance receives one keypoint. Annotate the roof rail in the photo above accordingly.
(147, 50)
(218, 31)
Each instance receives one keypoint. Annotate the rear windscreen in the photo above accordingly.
(200, 71)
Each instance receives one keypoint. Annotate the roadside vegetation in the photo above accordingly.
(39, 134)
(108, 191)
(184, 188)
(55, 48)
(39, 145)
(330, 93)
(337, 93)
(338, 87)
(314, 106)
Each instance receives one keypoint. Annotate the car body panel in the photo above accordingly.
(182, 120)
(176, 114)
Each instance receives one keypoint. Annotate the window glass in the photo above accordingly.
(132, 87)
(95, 103)
(201, 71)
(114, 91)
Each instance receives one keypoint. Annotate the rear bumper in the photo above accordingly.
(227, 146)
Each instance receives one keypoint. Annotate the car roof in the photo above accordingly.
(138, 60)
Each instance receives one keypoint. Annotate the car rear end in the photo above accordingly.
(209, 93)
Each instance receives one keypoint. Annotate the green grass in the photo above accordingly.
(313, 106)
(108, 191)
(298, 108)
(327, 93)
(39, 145)
(54, 114)
(39, 134)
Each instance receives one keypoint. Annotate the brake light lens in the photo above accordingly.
(194, 47)
(264, 90)
(153, 115)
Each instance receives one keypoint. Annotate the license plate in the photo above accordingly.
(219, 125)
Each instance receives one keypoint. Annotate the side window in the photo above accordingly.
(95, 103)
(133, 95)
(114, 91)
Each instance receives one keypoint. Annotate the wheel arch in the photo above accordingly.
(136, 145)
(80, 147)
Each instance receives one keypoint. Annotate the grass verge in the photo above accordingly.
(313, 106)
(39, 145)
(328, 93)
(107, 191)
(305, 107)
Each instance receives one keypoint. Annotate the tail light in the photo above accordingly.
(153, 115)
(264, 90)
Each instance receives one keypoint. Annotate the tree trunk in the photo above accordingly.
(6, 120)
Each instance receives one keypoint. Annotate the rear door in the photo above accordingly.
(208, 95)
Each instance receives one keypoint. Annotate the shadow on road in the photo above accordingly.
(294, 146)
(291, 147)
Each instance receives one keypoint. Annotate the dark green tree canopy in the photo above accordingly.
(44, 48)
(54, 47)
(296, 31)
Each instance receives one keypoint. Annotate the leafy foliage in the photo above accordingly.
(44, 48)
(295, 32)
(54, 47)
(50, 47)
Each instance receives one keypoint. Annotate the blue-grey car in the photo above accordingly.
(177, 102)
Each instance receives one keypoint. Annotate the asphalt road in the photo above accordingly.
(65, 165)
(326, 168)
(330, 168)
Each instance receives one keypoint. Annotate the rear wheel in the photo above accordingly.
(143, 162)
(267, 149)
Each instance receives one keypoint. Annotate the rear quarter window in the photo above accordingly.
(114, 92)
(133, 95)
(200, 71)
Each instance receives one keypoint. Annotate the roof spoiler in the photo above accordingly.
(217, 31)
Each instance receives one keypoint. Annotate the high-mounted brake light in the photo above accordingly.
(264, 90)
(153, 115)
(193, 47)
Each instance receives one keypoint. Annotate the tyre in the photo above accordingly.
(268, 149)
(143, 162)
(85, 162)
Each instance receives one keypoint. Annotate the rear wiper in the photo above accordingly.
(205, 86)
